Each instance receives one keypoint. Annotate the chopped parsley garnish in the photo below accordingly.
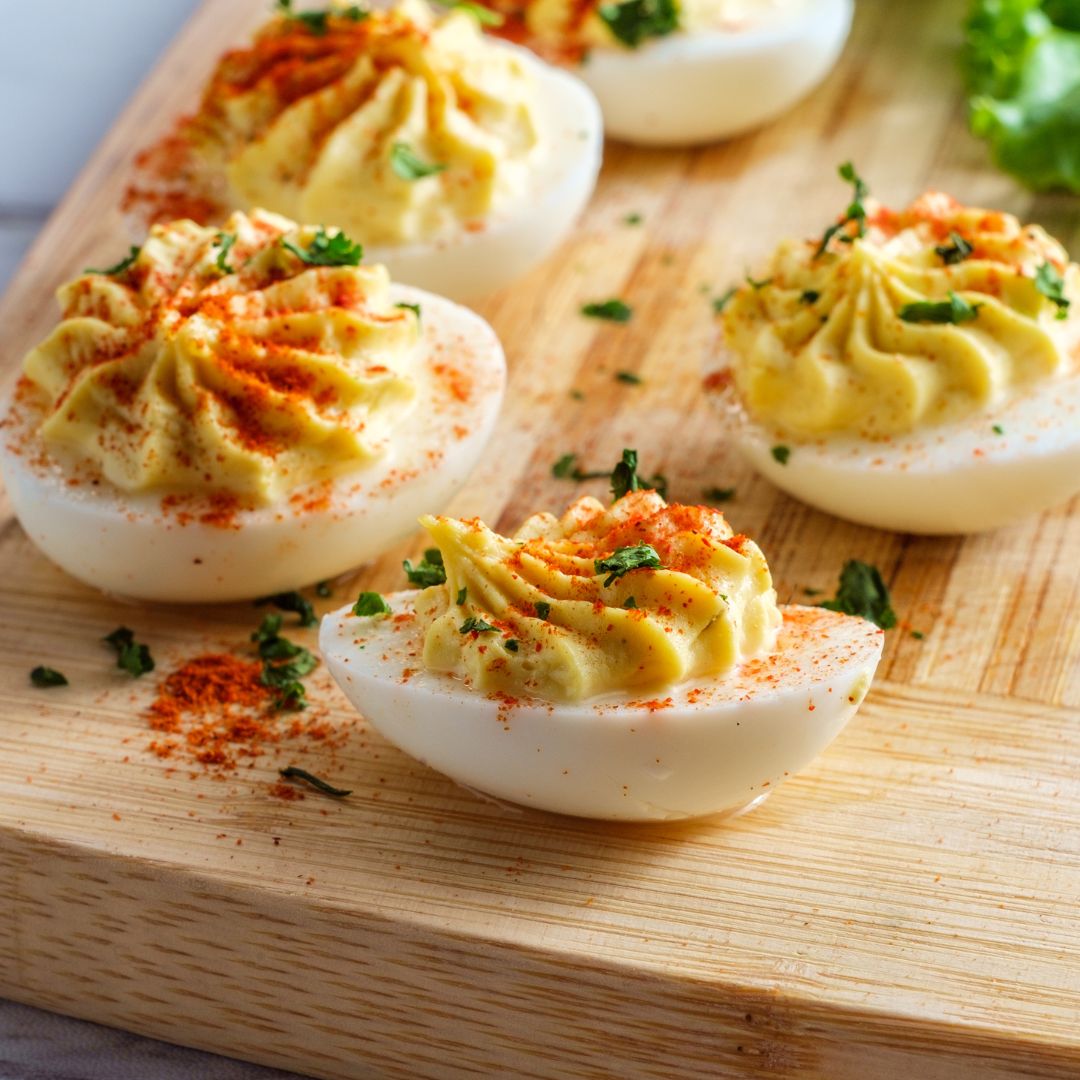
(812, 592)
(630, 604)
(755, 285)
(863, 592)
(998, 429)
(475, 625)
(1052, 285)
(543, 609)
(854, 215)
(327, 250)
(414, 308)
(624, 559)
(628, 377)
(407, 165)
(428, 571)
(121, 267)
(284, 664)
(918, 635)
(483, 15)
(131, 657)
(613, 310)
(224, 242)
(371, 603)
(291, 772)
(317, 21)
(292, 601)
(45, 677)
(511, 645)
(567, 468)
(954, 310)
(721, 302)
(634, 21)
(781, 454)
(577, 395)
(462, 595)
(633, 219)
(719, 494)
(291, 694)
(956, 251)
(323, 589)
(810, 296)
(625, 478)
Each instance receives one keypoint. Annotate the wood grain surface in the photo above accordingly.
(907, 908)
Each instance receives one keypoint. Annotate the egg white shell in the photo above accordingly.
(961, 477)
(713, 746)
(469, 264)
(128, 545)
(697, 88)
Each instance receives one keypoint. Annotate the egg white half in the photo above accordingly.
(471, 263)
(985, 471)
(695, 88)
(129, 545)
(707, 747)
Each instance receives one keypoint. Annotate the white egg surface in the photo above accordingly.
(708, 747)
(202, 548)
(690, 88)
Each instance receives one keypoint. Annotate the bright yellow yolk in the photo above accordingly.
(819, 346)
(562, 634)
(252, 377)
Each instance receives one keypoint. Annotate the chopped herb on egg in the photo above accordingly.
(956, 251)
(781, 454)
(613, 310)
(292, 772)
(810, 296)
(224, 242)
(755, 285)
(998, 429)
(955, 310)
(863, 592)
(369, 604)
(123, 265)
(131, 656)
(414, 308)
(854, 215)
(624, 559)
(511, 645)
(635, 21)
(1051, 284)
(543, 609)
(317, 22)
(475, 625)
(327, 250)
(483, 15)
(462, 595)
(721, 302)
(46, 677)
(408, 166)
(428, 571)
(630, 604)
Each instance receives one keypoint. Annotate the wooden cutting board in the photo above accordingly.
(907, 908)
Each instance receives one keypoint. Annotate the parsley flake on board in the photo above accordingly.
(46, 677)
(613, 310)
(628, 377)
(224, 242)
(371, 603)
(997, 429)
(131, 657)
(781, 454)
(323, 589)
(292, 772)
(123, 265)
(294, 602)
(632, 219)
(956, 251)
(625, 478)
(475, 625)
(284, 664)
(634, 21)
(719, 494)
(863, 592)
(428, 571)
(623, 560)
(854, 215)
(955, 310)
(567, 468)
(409, 166)
(1052, 285)
(327, 250)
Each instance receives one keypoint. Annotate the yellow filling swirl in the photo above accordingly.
(559, 629)
(827, 343)
(218, 361)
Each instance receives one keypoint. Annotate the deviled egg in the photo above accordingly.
(230, 413)
(457, 160)
(680, 72)
(914, 370)
(625, 662)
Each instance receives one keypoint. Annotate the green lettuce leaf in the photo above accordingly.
(1022, 64)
